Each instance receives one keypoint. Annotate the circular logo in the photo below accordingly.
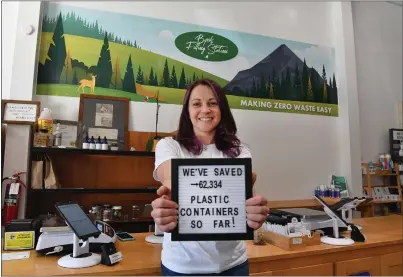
(206, 46)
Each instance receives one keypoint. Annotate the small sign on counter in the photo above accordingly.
(211, 194)
(19, 240)
(15, 256)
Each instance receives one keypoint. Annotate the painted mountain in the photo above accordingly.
(283, 75)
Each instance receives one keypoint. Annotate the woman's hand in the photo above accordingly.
(256, 211)
(165, 211)
(256, 208)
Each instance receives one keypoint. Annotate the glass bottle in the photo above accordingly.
(135, 212)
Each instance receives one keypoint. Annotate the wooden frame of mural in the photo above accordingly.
(105, 116)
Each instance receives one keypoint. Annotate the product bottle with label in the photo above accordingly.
(45, 121)
(382, 161)
(92, 143)
(98, 144)
(58, 136)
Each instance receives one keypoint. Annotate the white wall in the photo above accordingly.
(281, 143)
(378, 33)
(9, 15)
(21, 83)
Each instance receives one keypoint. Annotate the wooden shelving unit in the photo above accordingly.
(92, 177)
(386, 176)
(53, 150)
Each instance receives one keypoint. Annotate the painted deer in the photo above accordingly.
(87, 83)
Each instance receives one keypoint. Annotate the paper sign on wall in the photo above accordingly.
(20, 112)
(211, 195)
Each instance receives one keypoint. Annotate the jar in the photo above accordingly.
(97, 210)
(107, 213)
(117, 213)
(92, 215)
(135, 212)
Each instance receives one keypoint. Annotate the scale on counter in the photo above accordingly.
(331, 221)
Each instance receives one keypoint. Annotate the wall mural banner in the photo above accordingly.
(104, 53)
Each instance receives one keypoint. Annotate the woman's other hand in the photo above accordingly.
(256, 208)
(256, 211)
(165, 211)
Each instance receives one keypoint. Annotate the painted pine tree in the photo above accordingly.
(146, 79)
(335, 95)
(297, 85)
(325, 98)
(51, 71)
(182, 79)
(162, 79)
(275, 83)
(254, 88)
(262, 93)
(151, 79)
(174, 80)
(128, 80)
(324, 91)
(288, 85)
(104, 66)
(140, 76)
(309, 93)
(304, 81)
(271, 91)
(155, 79)
(116, 76)
(166, 76)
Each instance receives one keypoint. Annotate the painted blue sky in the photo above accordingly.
(159, 35)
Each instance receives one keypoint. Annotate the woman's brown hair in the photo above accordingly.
(225, 136)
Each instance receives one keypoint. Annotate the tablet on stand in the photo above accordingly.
(337, 239)
(83, 229)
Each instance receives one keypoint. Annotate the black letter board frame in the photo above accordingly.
(176, 163)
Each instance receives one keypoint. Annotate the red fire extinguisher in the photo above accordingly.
(11, 199)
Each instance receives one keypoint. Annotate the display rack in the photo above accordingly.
(386, 177)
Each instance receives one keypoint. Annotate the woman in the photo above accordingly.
(206, 130)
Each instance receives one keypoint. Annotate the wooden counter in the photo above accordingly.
(381, 254)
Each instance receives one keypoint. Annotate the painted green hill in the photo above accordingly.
(87, 50)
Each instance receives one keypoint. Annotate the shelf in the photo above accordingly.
(384, 201)
(83, 190)
(381, 186)
(55, 150)
(139, 220)
(381, 173)
(397, 158)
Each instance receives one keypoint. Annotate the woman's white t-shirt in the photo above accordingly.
(198, 256)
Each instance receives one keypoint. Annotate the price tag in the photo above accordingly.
(297, 241)
(115, 257)
(211, 194)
